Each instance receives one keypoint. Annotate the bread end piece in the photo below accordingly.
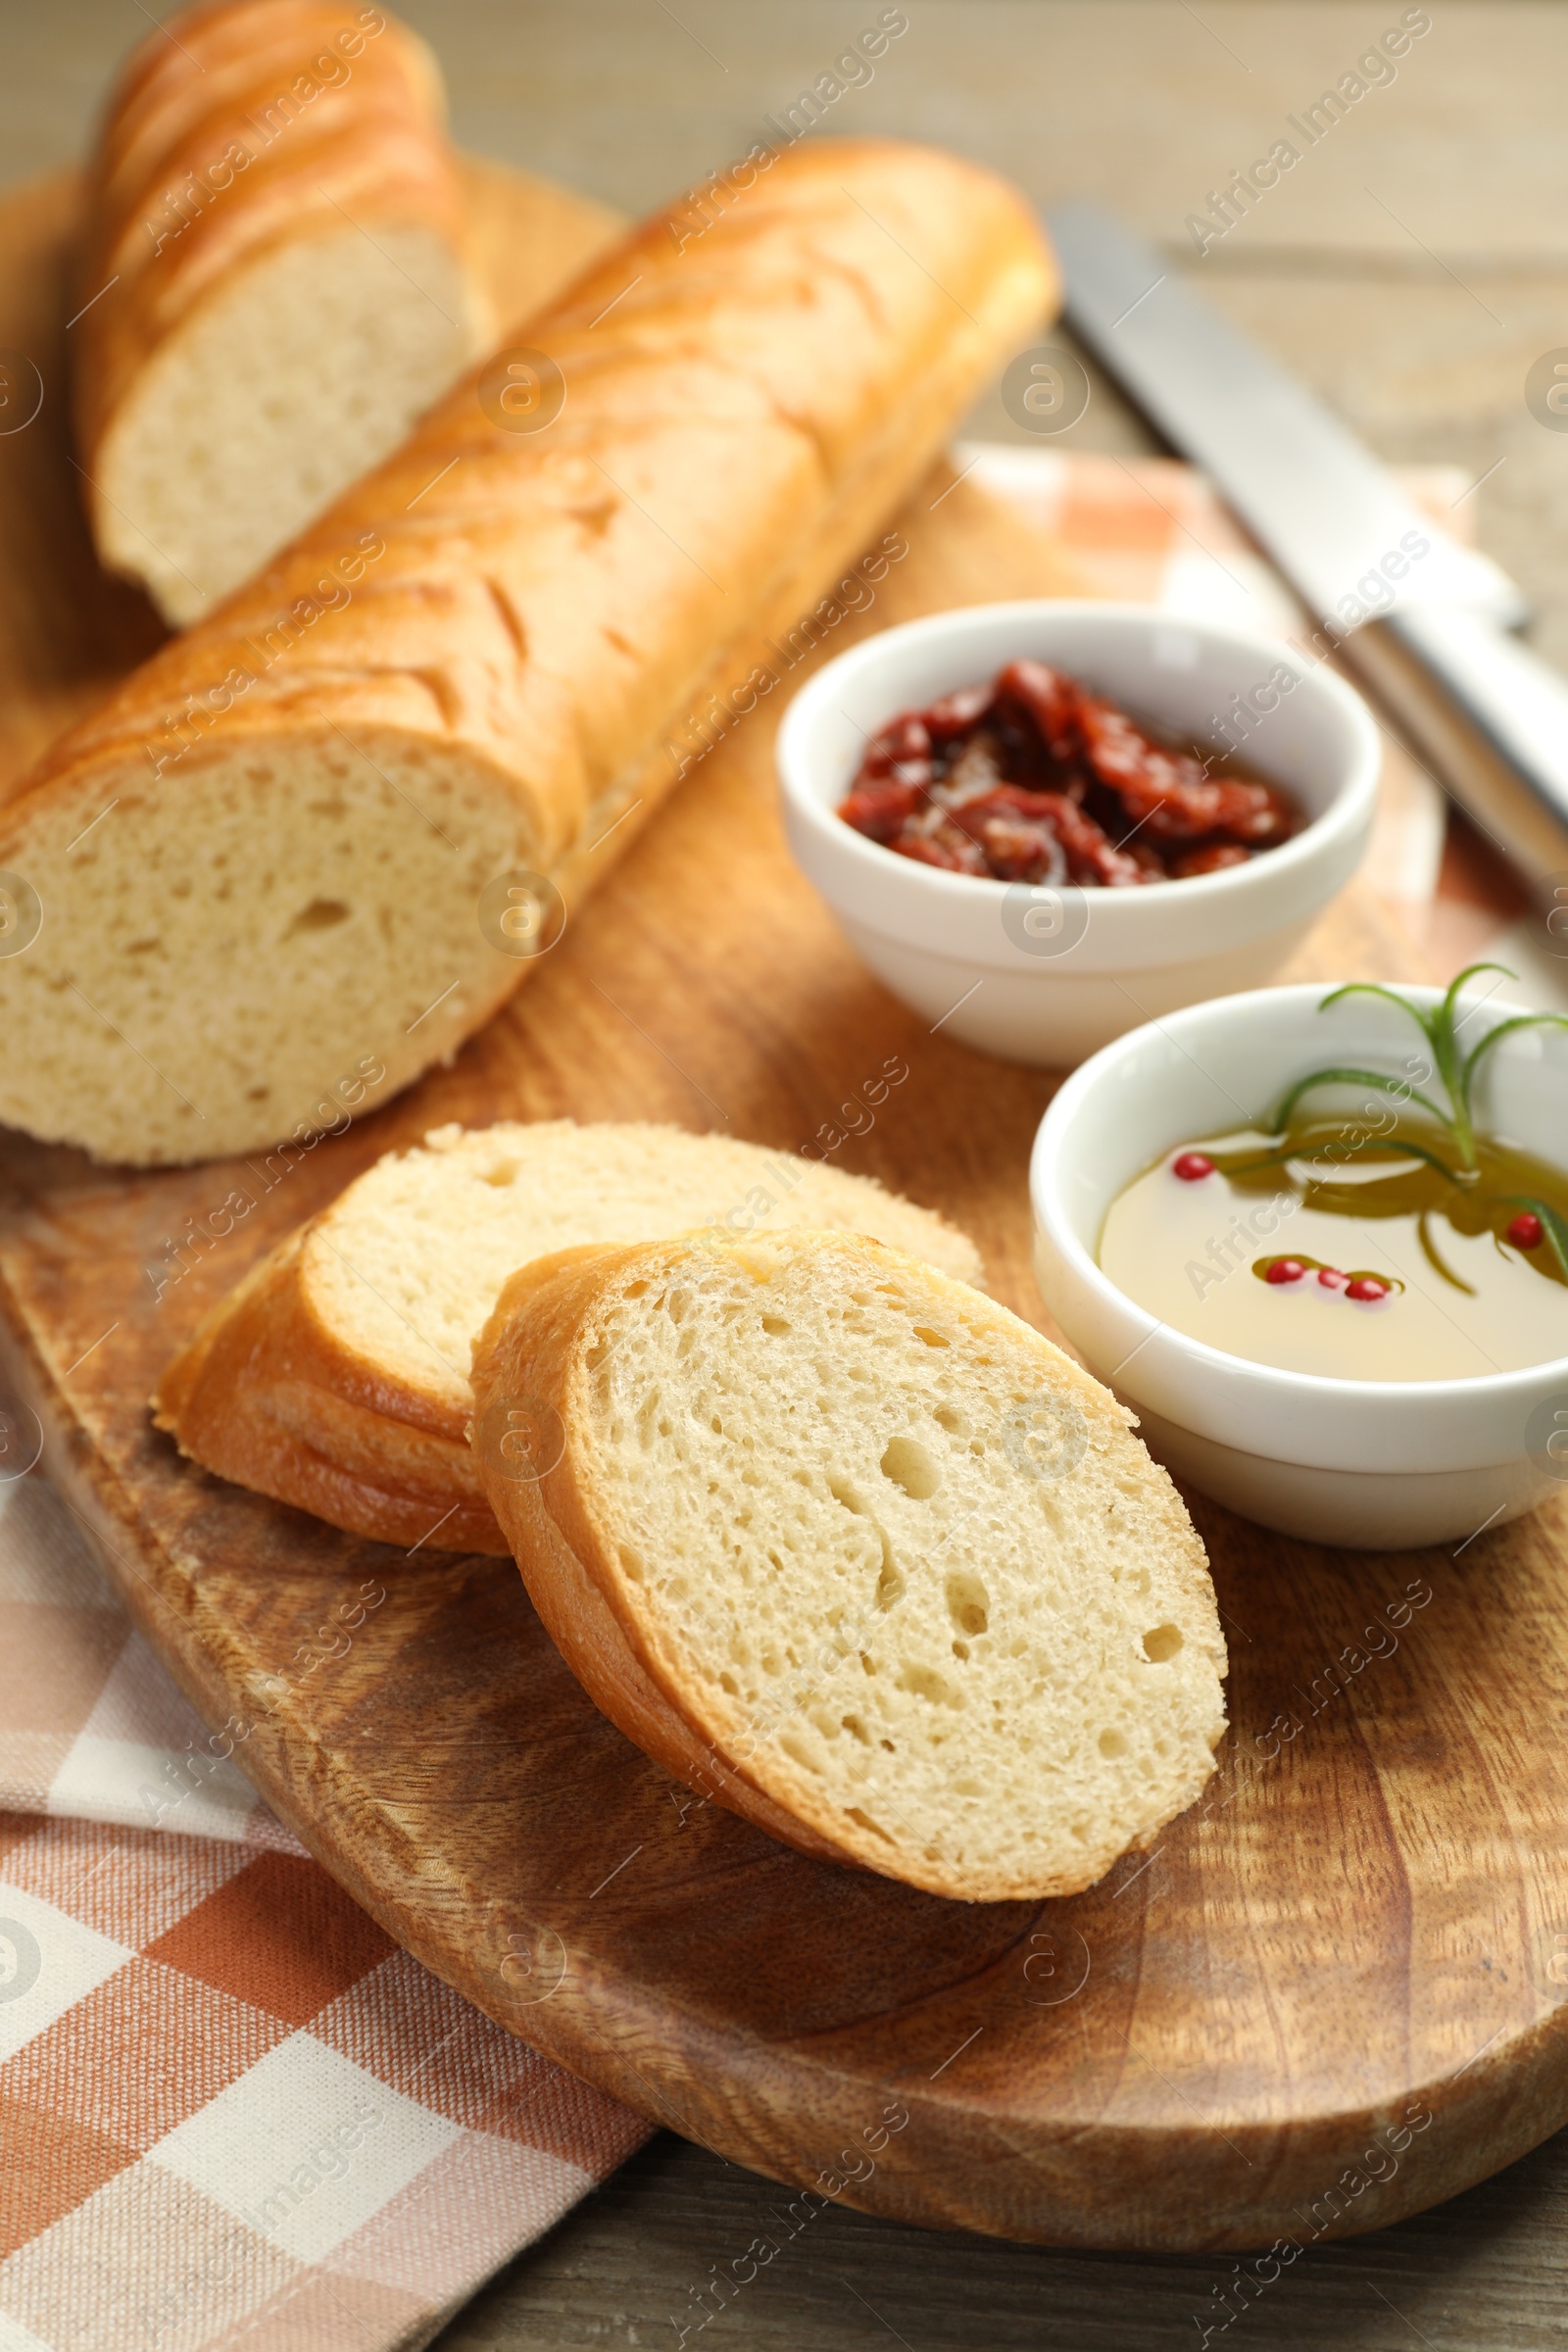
(277, 281)
(857, 1553)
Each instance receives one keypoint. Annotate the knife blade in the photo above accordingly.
(1429, 631)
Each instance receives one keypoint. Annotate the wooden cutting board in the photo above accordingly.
(1335, 1991)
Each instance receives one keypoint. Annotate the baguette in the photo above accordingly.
(854, 1551)
(471, 669)
(336, 1377)
(276, 284)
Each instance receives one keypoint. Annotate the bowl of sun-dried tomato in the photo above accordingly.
(1043, 823)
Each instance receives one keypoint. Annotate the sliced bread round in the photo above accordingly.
(336, 1377)
(855, 1553)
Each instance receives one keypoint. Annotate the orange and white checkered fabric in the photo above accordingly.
(235, 2112)
(1155, 531)
(232, 2111)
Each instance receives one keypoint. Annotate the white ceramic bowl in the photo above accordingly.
(1042, 975)
(1378, 1465)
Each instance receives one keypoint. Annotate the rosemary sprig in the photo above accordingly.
(1377, 1078)
(1457, 1070)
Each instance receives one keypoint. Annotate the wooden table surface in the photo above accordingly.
(1412, 267)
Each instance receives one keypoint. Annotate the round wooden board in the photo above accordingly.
(1335, 1993)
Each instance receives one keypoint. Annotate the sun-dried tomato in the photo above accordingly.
(1034, 778)
(881, 811)
(1092, 858)
(1169, 791)
(903, 752)
(1017, 833)
(957, 713)
(905, 738)
(946, 846)
(1050, 699)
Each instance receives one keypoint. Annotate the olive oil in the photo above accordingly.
(1323, 1249)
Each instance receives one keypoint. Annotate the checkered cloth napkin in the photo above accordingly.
(231, 2111)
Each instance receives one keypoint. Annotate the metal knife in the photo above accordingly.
(1439, 652)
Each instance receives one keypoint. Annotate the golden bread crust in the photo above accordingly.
(268, 1396)
(219, 143)
(530, 621)
(529, 1349)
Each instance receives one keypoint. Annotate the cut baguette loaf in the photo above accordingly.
(474, 665)
(855, 1553)
(337, 1375)
(276, 248)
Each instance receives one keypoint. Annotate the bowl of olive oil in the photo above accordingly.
(1318, 1240)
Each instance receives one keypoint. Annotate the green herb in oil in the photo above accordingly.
(1475, 1181)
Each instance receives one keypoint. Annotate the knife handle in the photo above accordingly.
(1490, 714)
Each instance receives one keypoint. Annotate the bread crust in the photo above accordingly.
(276, 1395)
(440, 645)
(175, 212)
(267, 1395)
(530, 1348)
(498, 608)
(534, 1348)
